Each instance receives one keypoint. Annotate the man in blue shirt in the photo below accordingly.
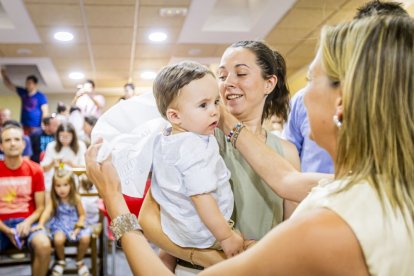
(313, 158)
(34, 102)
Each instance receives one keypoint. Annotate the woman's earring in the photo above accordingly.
(336, 121)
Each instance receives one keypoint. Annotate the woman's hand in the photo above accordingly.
(106, 180)
(227, 120)
(104, 174)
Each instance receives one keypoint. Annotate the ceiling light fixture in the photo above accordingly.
(173, 12)
(76, 75)
(63, 36)
(24, 51)
(157, 36)
(148, 75)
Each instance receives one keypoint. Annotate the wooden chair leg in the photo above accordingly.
(94, 256)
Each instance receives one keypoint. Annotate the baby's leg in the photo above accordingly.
(59, 240)
(168, 260)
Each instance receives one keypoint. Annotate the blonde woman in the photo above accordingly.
(360, 102)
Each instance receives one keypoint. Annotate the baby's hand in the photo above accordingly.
(233, 245)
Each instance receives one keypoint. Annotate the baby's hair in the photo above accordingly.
(66, 176)
(172, 78)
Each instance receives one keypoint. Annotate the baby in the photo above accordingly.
(190, 181)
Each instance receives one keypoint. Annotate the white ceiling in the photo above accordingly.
(111, 42)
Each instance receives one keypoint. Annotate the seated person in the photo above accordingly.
(22, 200)
(27, 152)
(40, 139)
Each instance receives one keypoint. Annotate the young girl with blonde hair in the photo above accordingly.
(67, 217)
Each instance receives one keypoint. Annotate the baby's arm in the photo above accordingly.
(210, 214)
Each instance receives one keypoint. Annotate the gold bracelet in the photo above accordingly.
(191, 256)
(79, 225)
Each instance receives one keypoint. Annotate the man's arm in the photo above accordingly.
(8, 232)
(98, 100)
(7, 82)
(23, 228)
(45, 110)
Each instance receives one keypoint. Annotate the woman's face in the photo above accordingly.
(65, 138)
(321, 100)
(242, 87)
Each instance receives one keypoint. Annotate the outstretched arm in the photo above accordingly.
(7, 82)
(279, 174)
(141, 258)
(318, 242)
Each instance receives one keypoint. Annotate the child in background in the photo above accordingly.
(190, 181)
(67, 149)
(67, 221)
(90, 203)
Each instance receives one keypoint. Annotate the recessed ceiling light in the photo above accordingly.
(63, 36)
(172, 12)
(76, 75)
(157, 36)
(148, 75)
(23, 51)
(194, 51)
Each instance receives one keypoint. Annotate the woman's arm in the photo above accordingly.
(318, 242)
(141, 258)
(290, 153)
(150, 221)
(279, 174)
(47, 167)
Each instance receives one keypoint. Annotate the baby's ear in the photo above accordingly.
(173, 116)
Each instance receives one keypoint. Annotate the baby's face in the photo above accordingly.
(197, 106)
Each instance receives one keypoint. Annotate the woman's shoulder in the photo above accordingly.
(284, 148)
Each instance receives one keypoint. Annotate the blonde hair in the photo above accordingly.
(373, 59)
(68, 177)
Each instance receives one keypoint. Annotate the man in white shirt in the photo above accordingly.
(88, 101)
